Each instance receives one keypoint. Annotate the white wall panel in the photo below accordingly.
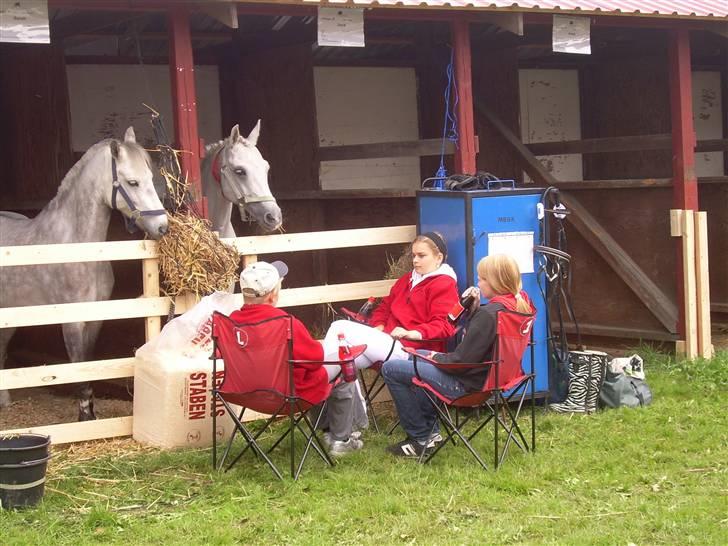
(106, 99)
(550, 112)
(360, 105)
(708, 121)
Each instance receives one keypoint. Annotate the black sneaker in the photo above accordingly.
(407, 448)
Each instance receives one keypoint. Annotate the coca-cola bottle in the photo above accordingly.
(466, 300)
(348, 368)
(366, 310)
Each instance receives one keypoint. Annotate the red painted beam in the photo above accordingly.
(184, 101)
(465, 153)
(685, 184)
(685, 187)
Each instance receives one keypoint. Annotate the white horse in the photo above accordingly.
(234, 172)
(111, 175)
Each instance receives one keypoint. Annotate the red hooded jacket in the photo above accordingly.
(423, 308)
(311, 380)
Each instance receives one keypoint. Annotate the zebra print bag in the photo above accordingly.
(586, 376)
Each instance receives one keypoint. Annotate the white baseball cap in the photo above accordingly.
(260, 278)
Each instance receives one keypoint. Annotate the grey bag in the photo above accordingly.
(622, 390)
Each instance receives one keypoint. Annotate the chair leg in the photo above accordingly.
(496, 395)
(370, 393)
(251, 441)
(447, 422)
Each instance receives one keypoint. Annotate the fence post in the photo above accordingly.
(150, 279)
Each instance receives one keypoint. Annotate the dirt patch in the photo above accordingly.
(45, 406)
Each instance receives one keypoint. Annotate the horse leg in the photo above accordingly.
(5, 335)
(80, 338)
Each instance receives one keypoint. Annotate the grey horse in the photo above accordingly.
(111, 175)
(235, 172)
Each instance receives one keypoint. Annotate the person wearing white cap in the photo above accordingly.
(260, 283)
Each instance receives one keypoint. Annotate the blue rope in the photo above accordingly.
(450, 124)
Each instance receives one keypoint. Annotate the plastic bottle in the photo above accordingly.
(466, 300)
(366, 310)
(348, 368)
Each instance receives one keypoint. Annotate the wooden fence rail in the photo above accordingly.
(152, 306)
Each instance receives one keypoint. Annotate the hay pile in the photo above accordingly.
(399, 266)
(191, 257)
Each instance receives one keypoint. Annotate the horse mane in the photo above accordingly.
(217, 146)
(132, 148)
(214, 147)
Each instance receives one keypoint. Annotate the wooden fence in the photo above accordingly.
(151, 306)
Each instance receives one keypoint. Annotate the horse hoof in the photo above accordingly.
(86, 416)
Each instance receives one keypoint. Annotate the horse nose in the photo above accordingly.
(163, 229)
(272, 219)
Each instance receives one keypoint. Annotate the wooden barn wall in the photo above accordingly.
(430, 63)
(621, 97)
(35, 135)
(495, 82)
(278, 87)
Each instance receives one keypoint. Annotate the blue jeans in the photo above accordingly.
(417, 416)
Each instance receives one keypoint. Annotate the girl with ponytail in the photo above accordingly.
(499, 281)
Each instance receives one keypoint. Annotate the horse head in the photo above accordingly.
(242, 173)
(132, 192)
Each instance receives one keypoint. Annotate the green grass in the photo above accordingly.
(645, 476)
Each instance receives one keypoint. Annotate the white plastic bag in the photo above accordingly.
(631, 366)
(188, 335)
(173, 406)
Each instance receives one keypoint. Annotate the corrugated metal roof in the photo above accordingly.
(711, 9)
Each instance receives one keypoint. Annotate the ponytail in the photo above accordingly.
(522, 306)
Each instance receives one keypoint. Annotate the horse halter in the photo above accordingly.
(245, 199)
(130, 220)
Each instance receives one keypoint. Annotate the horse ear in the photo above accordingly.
(114, 149)
(234, 134)
(129, 136)
(254, 134)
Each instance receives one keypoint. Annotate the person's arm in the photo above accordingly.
(304, 346)
(478, 341)
(442, 295)
(381, 313)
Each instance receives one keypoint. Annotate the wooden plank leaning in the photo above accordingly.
(702, 281)
(588, 227)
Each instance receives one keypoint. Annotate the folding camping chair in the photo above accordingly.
(506, 382)
(258, 376)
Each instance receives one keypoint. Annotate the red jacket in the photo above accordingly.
(311, 380)
(423, 308)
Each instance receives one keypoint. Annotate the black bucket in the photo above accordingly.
(23, 463)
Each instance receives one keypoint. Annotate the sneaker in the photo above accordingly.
(342, 447)
(328, 439)
(409, 448)
(435, 439)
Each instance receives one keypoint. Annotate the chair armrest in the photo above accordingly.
(446, 365)
(355, 317)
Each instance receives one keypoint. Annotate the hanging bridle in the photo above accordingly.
(245, 199)
(135, 213)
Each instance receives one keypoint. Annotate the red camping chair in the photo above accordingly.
(372, 389)
(506, 382)
(258, 376)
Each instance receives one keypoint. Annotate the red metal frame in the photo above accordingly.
(184, 102)
(685, 184)
(465, 153)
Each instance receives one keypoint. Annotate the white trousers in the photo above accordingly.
(378, 343)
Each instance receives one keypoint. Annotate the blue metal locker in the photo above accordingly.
(473, 221)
